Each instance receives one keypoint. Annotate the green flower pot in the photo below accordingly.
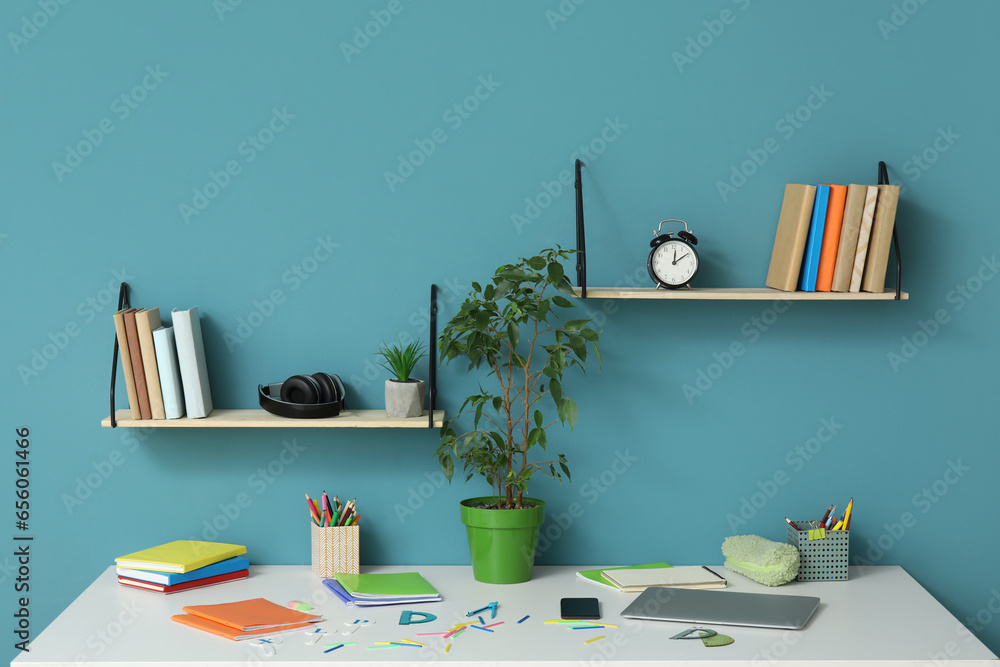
(502, 542)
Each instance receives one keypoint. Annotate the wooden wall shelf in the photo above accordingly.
(257, 418)
(734, 294)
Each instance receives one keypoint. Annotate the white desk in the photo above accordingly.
(880, 615)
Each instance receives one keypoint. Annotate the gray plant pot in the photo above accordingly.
(404, 399)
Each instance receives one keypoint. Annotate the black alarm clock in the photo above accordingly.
(673, 262)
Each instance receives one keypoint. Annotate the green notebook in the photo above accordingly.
(392, 584)
(598, 578)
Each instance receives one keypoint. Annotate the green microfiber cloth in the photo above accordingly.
(766, 562)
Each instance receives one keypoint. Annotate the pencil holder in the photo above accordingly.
(335, 549)
(822, 553)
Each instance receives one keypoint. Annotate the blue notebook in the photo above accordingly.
(234, 564)
(814, 244)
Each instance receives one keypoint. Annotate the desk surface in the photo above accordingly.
(879, 615)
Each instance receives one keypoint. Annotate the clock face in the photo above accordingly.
(673, 263)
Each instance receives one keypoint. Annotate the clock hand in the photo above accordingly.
(677, 259)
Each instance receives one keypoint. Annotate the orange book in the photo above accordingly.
(831, 238)
(250, 615)
(230, 632)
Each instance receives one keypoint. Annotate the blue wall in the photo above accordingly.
(117, 115)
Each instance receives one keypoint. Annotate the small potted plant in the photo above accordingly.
(513, 327)
(404, 396)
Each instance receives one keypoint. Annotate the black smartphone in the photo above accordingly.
(574, 608)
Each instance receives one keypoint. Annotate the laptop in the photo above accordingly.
(723, 607)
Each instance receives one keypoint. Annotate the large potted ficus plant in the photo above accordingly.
(514, 329)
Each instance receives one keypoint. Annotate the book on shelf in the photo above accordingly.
(146, 320)
(246, 619)
(135, 356)
(184, 586)
(864, 236)
(226, 566)
(790, 237)
(631, 580)
(191, 359)
(170, 374)
(831, 238)
(854, 206)
(814, 243)
(127, 373)
(180, 556)
(881, 239)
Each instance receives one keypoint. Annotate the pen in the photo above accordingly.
(790, 523)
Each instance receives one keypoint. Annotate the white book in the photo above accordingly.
(683, 576)
(191, 359)
(169, 370)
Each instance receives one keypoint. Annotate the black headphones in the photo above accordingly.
(304, 396)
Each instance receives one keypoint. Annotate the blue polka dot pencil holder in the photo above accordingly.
(822, 553)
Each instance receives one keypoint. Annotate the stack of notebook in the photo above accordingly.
(370, 590)
(636, 580)
(183, 565)
(246, 619)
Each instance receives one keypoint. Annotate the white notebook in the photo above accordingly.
(684, 576)
(191, 358)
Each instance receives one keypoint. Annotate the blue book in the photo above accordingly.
(814, 244)
(234, 564)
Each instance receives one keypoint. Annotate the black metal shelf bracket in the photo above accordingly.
(432, 359)
(581, 237)
(122, 304)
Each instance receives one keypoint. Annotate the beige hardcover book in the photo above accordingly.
(790, 239)
(854, 206)
(133, 398)
(145, 322)
(881, 239)
(864, 236)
